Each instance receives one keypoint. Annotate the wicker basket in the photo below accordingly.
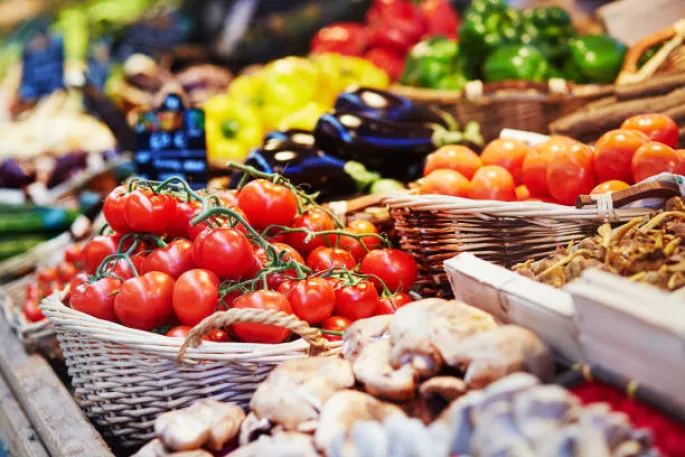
(533, 106)
(124, 378)
(436, 228)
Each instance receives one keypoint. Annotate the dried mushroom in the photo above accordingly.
(650, 251)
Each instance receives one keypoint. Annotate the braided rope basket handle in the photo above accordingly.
(221, 319)
(672, 37)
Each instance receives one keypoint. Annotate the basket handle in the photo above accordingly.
(629, 69)
(221, 319)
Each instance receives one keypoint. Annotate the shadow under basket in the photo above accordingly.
(435, 228)
(124, 378)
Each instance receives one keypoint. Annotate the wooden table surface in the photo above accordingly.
(38, 416)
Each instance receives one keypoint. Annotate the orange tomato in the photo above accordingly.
(453, 157)
(492, 182)
(522, 193)
(507, 153)
(658, 127)
(534, 170)
(444, 182)
(614, 152)
(653, 158)
(613, 185)
(570, 173)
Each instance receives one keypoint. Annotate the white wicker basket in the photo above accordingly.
(124, 378)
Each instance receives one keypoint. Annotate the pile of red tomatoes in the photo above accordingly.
(175, 257)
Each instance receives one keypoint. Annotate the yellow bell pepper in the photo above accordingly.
(290, 82)
(232, 127)
(248, 88)
(304, 118)
(358, 72)
(331, 83)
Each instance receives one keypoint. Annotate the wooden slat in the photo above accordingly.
(60, 424)
(16, 430)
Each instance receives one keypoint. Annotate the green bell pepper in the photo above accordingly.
(594, 59)
(548, 29)
(434, 63)
(516, 61)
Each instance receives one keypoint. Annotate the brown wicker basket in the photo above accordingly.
(124, 378)
(533, 106)
(435, 228)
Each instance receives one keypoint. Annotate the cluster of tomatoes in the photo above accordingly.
(52, 279)
(560, 169)
(171, 262)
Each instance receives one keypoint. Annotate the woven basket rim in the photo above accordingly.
(446, 203)
(66, 319)
(12, 312)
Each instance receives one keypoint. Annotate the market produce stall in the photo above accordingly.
(371, 246)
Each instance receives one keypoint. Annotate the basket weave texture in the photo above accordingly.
(435, 228)
(124, 378)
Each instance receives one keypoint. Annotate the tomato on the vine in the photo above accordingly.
(653, 158)
(335, 324)
(357, 301)
(97, 249)
(260, 333)
(614, 152)
(74, 254)
(174, 259)
(315, 220)
(66, 271)
(388, 305)
(145, 302)
(351, 245)
(312, 300)
(658, 127)
(223, 251)
(228, 198)
(275, 279)
(123, 270)
(570, 173)
(80, 278)
(32, 311)
(145, 211)
(185, 211)
(96, 299)
(266, 203)
(113, 209)
(397, 269)
(363, 227)
(323, 259)
(196, 296)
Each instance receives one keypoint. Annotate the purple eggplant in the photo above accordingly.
(14, 175)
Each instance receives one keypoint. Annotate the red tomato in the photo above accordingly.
(444, 182)
(388, 305)
(66, 271)
(148, 212)
(217, 335)
(507, 153)
(658, 127)
(397, 269)
(47, 275)
(346, 38)
(96, 250)
(175, 259)
(195, 230)
(229, 198)
(613, 185)
(96, 299)
(351, 245)
(570, 173)
(312, 300)
(356, 302)
(453, 157)
(32, 311)
(145, 302)
(361, 227)
(654, 158)
(74, 254)
(335, 324)
(260, 333)
(76, 281)
(113, 209)
(522, 193)
(196, 296)
(180, 331)
(492, 182)
(31, 290)
(266, 203)
(316, 220)
(185, 211)
(275, 279)
(123, 270)
(534, 170)
(614, 152)
(223, 251)
(323, 259)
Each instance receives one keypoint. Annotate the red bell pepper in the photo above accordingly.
(347, 38)
(397, 25)
(441, 18)
(388, 60)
